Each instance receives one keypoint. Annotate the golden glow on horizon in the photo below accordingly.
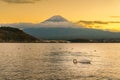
(73, 10)
(114, 27)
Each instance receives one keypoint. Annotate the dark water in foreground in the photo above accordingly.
(55, 61)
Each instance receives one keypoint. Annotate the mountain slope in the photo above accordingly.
(71, 33)
(8, 34)
(58, 27)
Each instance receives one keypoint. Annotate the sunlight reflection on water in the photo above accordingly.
(55, 61)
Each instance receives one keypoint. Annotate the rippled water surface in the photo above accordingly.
(55, 61)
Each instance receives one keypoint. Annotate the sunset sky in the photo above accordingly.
(35, 11)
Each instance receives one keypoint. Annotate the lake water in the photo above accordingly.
(42, 61)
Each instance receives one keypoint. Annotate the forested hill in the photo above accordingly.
(9, 34)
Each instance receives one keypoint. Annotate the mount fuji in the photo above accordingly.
(57, 22)
(59, 28)
(56, 18)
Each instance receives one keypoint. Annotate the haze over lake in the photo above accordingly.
(55, 61)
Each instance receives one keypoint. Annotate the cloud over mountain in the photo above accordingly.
(20, 1)
(93, 22)
(115, 16)
(53, 22)
(97, 22)
(57, 21)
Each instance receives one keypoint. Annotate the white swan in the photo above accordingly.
(82, 61)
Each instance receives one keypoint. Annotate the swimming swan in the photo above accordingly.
(82, 61)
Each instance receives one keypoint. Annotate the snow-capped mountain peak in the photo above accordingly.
(56, 18)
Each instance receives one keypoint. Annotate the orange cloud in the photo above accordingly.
(115, 16)
(97, 22)
(20, 1)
